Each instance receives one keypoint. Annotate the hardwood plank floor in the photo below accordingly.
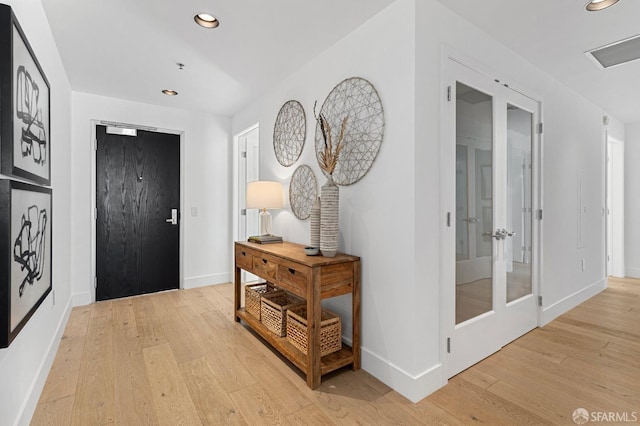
(178, 358)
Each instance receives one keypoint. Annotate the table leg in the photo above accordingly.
(236, 294)
(314, 318)
(355, 312)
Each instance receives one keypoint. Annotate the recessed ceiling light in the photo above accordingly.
(206, 20)
(169, 92)
(596, 5)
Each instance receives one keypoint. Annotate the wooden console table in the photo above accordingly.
(313, 278)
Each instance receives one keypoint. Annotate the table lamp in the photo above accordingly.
(264, 195)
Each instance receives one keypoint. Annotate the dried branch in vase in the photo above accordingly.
(328, 157)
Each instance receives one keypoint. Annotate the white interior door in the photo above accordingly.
(615, 208)
(488, 154)
(248, 171)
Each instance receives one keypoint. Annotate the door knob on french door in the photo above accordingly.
(500, 234)
(174, 217)
(507, 233)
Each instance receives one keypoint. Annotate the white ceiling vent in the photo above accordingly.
(617, 53)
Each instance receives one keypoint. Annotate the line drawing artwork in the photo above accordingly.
(28, 109)
(29, 247)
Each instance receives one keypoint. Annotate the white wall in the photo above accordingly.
(392, 218)
(376, 213)
(632, 200)
(207, 239)
(25, 364)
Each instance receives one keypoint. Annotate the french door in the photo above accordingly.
(490, 173)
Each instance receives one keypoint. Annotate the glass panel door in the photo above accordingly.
(474, 202)
(489, 250)
(519, 199)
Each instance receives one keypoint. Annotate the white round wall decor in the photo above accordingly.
(289, 133)
(303, 192)
(356, 99)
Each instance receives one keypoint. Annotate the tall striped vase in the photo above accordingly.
(329, 218)
(315, 224)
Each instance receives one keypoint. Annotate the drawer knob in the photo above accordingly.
(292, 271)
(244, 254)
(264, 261)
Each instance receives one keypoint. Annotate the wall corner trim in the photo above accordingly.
(28, 408)
(633, 272)
(560, 307)
(411, 387)
(81, 299)
(205, 280)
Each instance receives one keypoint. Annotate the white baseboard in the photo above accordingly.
(414, 388)
(205, 280)
(632, 272)
(29, 406)
(81, 299)
(555, 310)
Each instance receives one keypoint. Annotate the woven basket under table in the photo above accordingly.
(330, 330)
(252, 295)
(273, 310)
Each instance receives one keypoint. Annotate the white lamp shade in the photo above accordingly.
(264, 195)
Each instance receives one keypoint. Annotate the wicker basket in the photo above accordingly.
(273, 310)
(252, 295)
(330, 330)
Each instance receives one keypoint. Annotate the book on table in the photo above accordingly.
(265, 239)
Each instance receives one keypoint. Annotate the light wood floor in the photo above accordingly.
(178, 358)
(476, 297)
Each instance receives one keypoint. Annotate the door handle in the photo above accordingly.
(174, 217)
(507, 233)
(470, 220)
(499, 234)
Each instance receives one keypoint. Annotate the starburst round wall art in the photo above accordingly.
(357, 100)
(289, 133)
(303, 191)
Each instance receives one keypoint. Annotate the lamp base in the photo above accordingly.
(265, 222)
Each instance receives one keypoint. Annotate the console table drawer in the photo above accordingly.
(244, 258)
(290, 277)
(265, 266)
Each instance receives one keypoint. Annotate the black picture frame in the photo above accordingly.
(25, 106)
(25, 254)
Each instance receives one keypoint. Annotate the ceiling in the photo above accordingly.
(554, 34)
(129, 49)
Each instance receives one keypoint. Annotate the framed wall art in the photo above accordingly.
(25, 254)
(25, 131)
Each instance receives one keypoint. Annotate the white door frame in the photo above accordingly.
(614, 159)
(239, 185)
(94, 239)
(448, 212)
